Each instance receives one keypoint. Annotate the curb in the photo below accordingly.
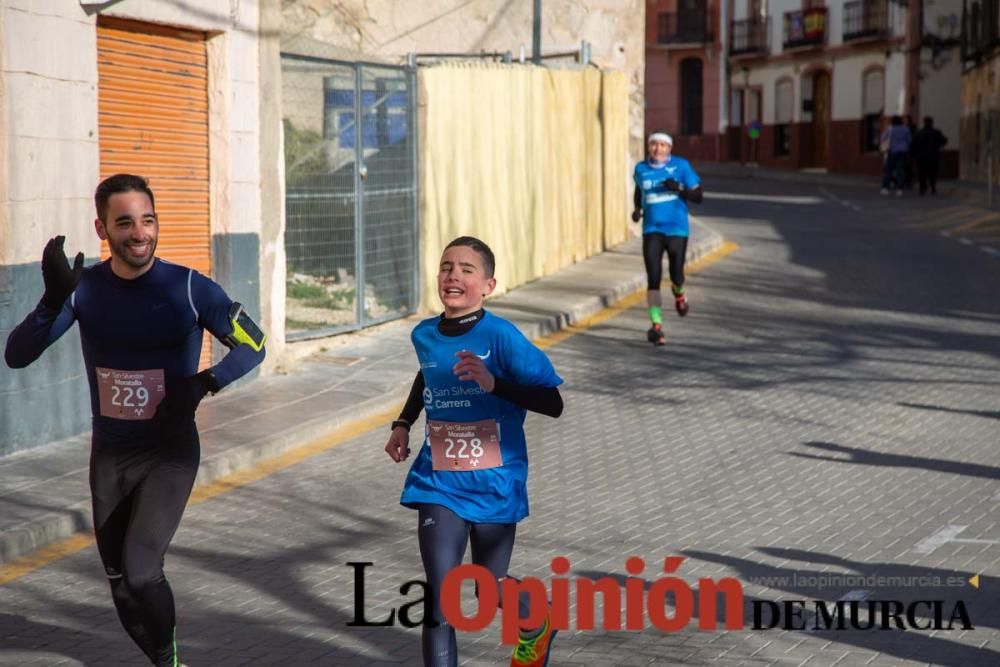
(521, 305)
(25, 539)
(516, 304)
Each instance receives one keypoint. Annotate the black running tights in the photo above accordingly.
(443, 536)
(139, 493)
(653, 246)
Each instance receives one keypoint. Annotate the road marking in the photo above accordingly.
(842, 202)
(965, 241)
(991, 251)
(943, 536)
(44, 556)
(82, 540)
(771, 199)
(976, 223)
(950, 218)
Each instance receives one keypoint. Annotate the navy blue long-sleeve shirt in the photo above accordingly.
(154, 321)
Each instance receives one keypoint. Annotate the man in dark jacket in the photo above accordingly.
(928, 148)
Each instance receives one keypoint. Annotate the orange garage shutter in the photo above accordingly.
(153, 121)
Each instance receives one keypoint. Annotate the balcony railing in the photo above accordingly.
(805, 28)
(980, 28)
(866, 19)
(683, 28)
(750, 36)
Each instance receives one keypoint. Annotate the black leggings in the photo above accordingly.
(653, 246)
(443, 536)
(139, 493)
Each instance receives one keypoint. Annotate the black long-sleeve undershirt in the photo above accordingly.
(543, 400)
(414, 402)
(693, 195)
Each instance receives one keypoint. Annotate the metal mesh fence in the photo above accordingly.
(351, 193)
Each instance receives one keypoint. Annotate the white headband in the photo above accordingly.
(661, 136)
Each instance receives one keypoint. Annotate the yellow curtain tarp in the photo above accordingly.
(532, 161)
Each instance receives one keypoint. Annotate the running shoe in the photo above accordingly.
(681, 304)
(655, 335)
(534, 652)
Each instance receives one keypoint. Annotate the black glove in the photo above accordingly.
(179, 405)
(672, 185)
(60, 279)
(636, 215)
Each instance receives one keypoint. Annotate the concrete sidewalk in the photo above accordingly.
(320, 386)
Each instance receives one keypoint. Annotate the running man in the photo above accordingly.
(478, 375)
(664, 184)
(141, 324)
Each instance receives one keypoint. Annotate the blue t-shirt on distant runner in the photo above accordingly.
(662, 210)
(494, 495)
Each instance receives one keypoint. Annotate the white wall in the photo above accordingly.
(776, 10)
(848, 83)
(895, 84)
(48, 96)
(941, 74)
(724, 19)
(741, 9)
(48, 93)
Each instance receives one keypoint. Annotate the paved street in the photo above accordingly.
(830, 407)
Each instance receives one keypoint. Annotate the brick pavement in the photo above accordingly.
(812, 417)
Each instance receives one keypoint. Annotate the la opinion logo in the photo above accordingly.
(644, 600)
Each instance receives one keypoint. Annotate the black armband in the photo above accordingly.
(245, 330)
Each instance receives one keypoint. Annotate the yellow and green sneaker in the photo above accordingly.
(534, 651)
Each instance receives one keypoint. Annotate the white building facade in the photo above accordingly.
(823, 78)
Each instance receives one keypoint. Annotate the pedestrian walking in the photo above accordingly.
(478, 376)
(664, 185)
(910, 170)
(895, 143)
(141, 325)
(929, 143)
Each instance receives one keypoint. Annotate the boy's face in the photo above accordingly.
(659, 150)
(462, 281)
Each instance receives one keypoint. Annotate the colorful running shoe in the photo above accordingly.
(534, 652)
(681, 304)
(655, 335)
